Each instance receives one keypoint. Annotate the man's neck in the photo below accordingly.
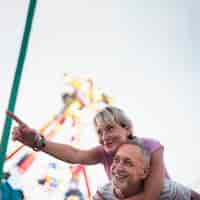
(128, 192)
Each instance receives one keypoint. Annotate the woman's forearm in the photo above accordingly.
(62, 152)
(70, 154)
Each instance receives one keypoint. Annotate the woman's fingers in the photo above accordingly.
(22, 133)
(15, 118)
(16, 133)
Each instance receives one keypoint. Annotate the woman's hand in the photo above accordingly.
(23, 133)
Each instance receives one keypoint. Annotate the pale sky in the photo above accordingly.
(142, 53)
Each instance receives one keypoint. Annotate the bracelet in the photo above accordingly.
(40, 143)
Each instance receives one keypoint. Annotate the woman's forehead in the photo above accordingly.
(103, 116)
(104, 123)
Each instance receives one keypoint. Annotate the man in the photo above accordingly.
(129, 169)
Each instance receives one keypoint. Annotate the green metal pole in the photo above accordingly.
(15, 85)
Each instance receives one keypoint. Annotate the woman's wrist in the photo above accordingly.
(39, 143)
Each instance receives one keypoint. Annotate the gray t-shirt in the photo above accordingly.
(171, 191)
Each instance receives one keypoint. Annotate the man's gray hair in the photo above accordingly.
(144, 150)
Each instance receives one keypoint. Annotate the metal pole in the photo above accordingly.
(15, 85)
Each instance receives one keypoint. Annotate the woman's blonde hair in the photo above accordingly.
(112, 115)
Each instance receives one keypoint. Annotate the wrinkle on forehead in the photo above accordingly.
(132, 150)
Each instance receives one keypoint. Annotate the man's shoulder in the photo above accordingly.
(106, 191)
(174, 190)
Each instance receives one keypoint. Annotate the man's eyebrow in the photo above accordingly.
(128, 159)
(116, 156)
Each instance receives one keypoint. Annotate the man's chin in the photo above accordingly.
(119, 185)
(118, 191)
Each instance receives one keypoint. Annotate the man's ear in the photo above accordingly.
(145, 173)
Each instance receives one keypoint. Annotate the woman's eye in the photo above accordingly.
(99, 132)
(109, 128)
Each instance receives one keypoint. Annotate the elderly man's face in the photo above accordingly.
(128, 168)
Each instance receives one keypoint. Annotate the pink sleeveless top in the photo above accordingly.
(107, 158)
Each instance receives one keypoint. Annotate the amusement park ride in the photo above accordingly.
(81, 94)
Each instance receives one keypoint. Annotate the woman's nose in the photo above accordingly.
(106, 134)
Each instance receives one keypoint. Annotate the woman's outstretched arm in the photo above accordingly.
(30, 137)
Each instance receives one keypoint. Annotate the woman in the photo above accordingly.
(113, 128)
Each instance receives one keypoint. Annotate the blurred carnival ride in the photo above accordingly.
(80, 94)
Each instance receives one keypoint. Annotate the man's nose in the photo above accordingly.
(119, 166)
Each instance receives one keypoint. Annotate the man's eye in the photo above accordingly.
(116, 160)
(128, 163)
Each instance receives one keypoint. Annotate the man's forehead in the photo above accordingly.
(128, 150)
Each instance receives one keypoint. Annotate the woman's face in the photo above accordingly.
(112, 136)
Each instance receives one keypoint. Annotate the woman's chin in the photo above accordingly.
(110, 149)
